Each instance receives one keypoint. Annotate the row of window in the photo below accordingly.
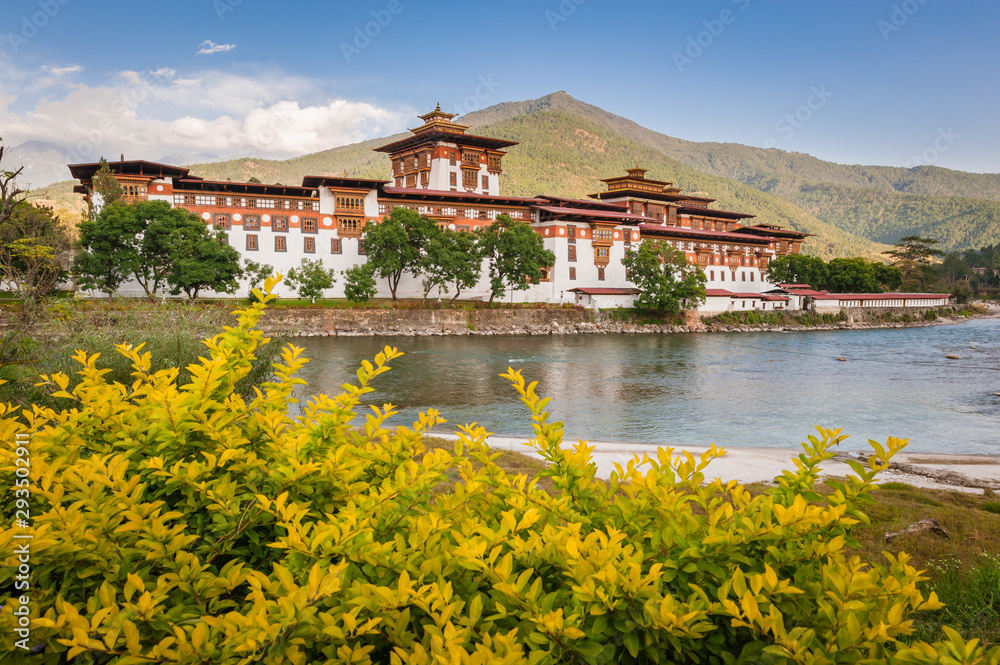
(215, 201)
(474, 159)
(464, 213)
(722, 276)
(349, 202)
(308, 244)
(252, 223)
(712, 225)
(411, 163)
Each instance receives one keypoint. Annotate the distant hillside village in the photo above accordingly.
(454, 178)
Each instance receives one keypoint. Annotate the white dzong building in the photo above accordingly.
(454, 178)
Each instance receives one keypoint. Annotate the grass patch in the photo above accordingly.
(894, 508)
(991, 507)
(751, 318)
(895, 486)
(635, 316)
(971, 595)
(826, 318)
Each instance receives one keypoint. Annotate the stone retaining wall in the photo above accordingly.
(321, 322)
(350, 322)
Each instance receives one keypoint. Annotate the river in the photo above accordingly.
(732, 389)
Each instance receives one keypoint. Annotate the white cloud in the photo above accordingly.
(59, 71)
(208, 47)
(146, 115)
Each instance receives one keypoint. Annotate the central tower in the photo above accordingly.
(441, 156)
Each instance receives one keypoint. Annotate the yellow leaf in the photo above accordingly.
(131, 636)
(198, 636)
(136, 582)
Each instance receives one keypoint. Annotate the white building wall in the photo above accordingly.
(716, 305)
(327, 204)
(371, 204)
(441, 170)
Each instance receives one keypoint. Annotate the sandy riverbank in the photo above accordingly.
(749, 465)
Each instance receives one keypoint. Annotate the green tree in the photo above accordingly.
(668, 281)
(311, 279)
(105, 188)
(515, 253)
(108, 246)
(396, 244)
(798, 269)
(854, 275)
(452, 259)
(889, 277)
(359, 284)
(141, 241)
(210, 263)
(913, 255)
(962, 292)
(954, 267)
(915, 248)
(33, 246)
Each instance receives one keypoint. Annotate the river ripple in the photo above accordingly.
(733, 389)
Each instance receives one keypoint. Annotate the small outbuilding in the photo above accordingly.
(597, 297)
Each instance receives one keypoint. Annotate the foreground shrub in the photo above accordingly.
(186, 524)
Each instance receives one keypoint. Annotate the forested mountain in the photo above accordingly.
(567, 146)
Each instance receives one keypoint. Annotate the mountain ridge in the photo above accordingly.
(567, 146)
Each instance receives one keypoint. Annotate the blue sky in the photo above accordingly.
(875, 82)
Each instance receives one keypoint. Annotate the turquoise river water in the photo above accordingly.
(733, 389)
